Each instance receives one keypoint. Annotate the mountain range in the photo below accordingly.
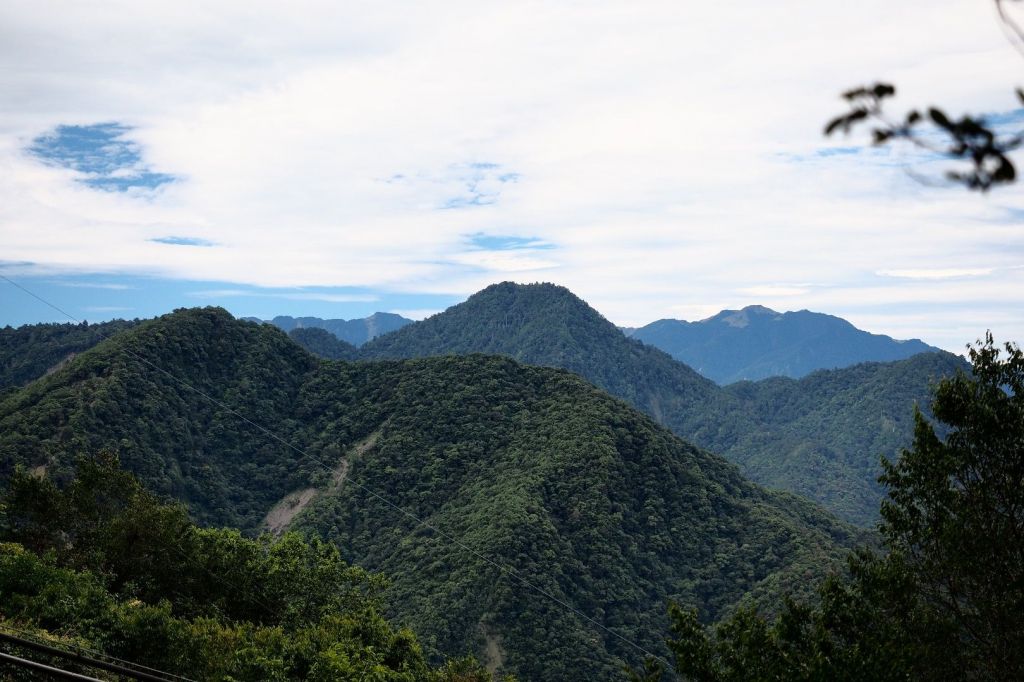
(356, 332)
(756, 342)
(821, 436)
(485, 490)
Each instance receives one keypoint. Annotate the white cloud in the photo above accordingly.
(668, 149)
(937, 273)
(767, 290)
(416, 313)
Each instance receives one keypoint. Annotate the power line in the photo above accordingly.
(26, 640)
(47, 669)
(88, 662)
(267, 432)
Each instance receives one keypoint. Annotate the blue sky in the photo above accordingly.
(101, 297)
(104, 155)
(655, 157)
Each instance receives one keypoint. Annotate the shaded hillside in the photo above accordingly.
(29, 351)
(756, 343)
(356, 332)
(530, 467)
(821, 437)
(323, 343)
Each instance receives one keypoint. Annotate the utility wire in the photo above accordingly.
(503, 569)
(86, 661)
(30, 640)
(48, 670)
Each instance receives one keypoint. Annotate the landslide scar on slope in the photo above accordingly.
(284, 512)
(494, 652)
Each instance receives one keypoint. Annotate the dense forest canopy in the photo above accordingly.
(531, 467)
(821, 436)
(30, 351)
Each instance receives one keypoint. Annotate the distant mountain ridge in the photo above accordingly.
(756, 343)
(356, 331)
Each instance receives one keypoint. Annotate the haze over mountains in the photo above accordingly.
(757, 342)
(531, 467)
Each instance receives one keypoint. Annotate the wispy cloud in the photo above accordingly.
(327, 297)
(219, 293)
(113, 286)
(363, 151)
(183, 241)
(774, 290)
(495, 242)
(481, 184)
(937, 273)
(417, 313)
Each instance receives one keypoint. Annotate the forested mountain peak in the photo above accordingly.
(547, 325)
(506, 318)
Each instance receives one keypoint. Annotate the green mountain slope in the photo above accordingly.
(821, 437)
(756, 343)
(527, 467)
(123, 394)
(29, 351)
(831, 427)
(546, 325)
(323, 343)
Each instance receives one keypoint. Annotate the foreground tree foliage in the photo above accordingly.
(946, 601)
(104, 564)
(978, 144)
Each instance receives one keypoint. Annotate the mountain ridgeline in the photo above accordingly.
(821, 436)
(32, 350)
(472, 482)
(756, 343)
(356, 332)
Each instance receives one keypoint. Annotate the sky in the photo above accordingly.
(660, 159)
